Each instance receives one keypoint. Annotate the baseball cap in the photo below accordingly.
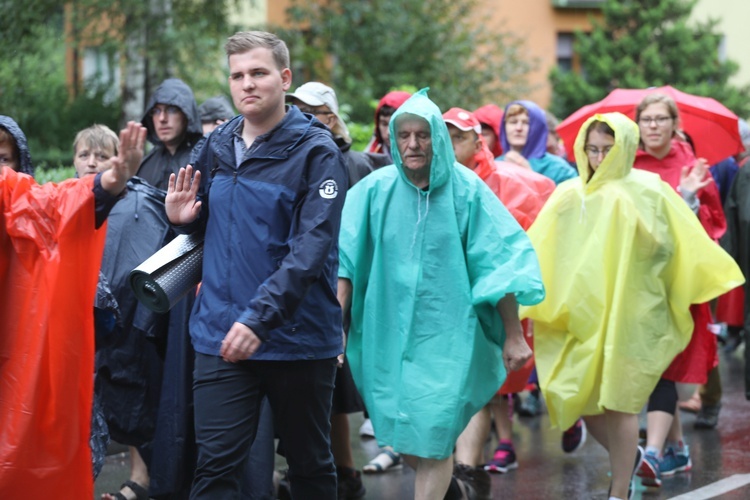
(316, 94)
(463, 120)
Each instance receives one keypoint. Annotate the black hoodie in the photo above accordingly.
(159, 163)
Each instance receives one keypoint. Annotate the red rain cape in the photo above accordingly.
(50, 255)
(523, 192)
(692, 365)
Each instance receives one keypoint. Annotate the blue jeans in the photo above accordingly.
(227, 408)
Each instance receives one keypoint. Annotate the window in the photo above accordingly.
(565, 51)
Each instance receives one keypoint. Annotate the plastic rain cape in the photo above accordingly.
(49, 267)
(427, 269)
(622, 258)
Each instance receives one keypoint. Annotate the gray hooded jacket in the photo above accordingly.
(159, 163)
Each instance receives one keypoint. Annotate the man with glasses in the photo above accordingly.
(320, 101)
(174, 128)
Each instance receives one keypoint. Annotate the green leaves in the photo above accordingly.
(378, 45)
(644, 43)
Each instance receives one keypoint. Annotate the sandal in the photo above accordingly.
(141, 493)
(386, 460)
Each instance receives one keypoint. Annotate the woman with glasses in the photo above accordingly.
(665, 151)
(618, 290)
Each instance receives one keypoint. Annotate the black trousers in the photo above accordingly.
(227, 405)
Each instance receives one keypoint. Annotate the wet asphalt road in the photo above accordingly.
(722, 454)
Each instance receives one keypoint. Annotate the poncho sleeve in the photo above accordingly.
(699, 269)
(499, 256)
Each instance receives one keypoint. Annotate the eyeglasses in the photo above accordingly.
(659, 120)
(315, 111)
(169, 109)
(594, 152)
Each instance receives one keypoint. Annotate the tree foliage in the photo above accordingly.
(166, 38)
(648, 43)
(365, 49)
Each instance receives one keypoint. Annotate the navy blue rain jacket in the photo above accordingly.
(271, 240)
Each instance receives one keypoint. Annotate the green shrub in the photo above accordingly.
(59, 174)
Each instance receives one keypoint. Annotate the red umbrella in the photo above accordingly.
(711, 125)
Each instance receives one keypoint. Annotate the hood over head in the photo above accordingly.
(491, 115)
(216, 108)
(24, 157)
(393, 99)
(174, 92)
(443, 158)
(536, 141)
(619, 161)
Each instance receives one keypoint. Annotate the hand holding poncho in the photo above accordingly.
(428, 268)
(622, 257)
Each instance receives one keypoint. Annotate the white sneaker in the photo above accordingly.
(365, 430)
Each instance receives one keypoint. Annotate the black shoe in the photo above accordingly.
(476, 481)
(707, 417)
(350, 485)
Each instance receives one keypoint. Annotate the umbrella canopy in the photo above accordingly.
(711, 125)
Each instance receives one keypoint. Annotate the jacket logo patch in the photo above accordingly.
(328, 189)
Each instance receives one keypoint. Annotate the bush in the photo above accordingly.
(57, 175)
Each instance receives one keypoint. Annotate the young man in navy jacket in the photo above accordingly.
(266, 321)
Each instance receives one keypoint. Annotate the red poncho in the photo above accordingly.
(49, 264)
(700, 356)
(523, 192)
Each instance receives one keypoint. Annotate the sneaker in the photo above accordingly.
(474, 481)
(366, 430)
(573, 438)
(350, 485)
(707, 417)
(673, 461)
(631, 488)
(531, 406)
(504, 458)
(649, 471)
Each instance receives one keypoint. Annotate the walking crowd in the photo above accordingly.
(460, 261)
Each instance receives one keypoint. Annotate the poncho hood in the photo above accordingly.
(492, 116)
(619, 161)
(536, 141)
(174, 92)
(24, 157)
(443, 157)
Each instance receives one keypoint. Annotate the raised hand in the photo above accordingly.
(125, 165)
(695, 179)
(182, 203)
(514, 157)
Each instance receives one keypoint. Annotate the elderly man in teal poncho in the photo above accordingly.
(433, 267)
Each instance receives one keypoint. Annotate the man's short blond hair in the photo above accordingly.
(245, 41)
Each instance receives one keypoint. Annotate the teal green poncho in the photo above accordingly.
(428, 268)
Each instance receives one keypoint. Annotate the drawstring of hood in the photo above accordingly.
(420, 218)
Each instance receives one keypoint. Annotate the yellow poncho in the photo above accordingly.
(622, 259)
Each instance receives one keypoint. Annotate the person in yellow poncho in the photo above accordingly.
(622, 259)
